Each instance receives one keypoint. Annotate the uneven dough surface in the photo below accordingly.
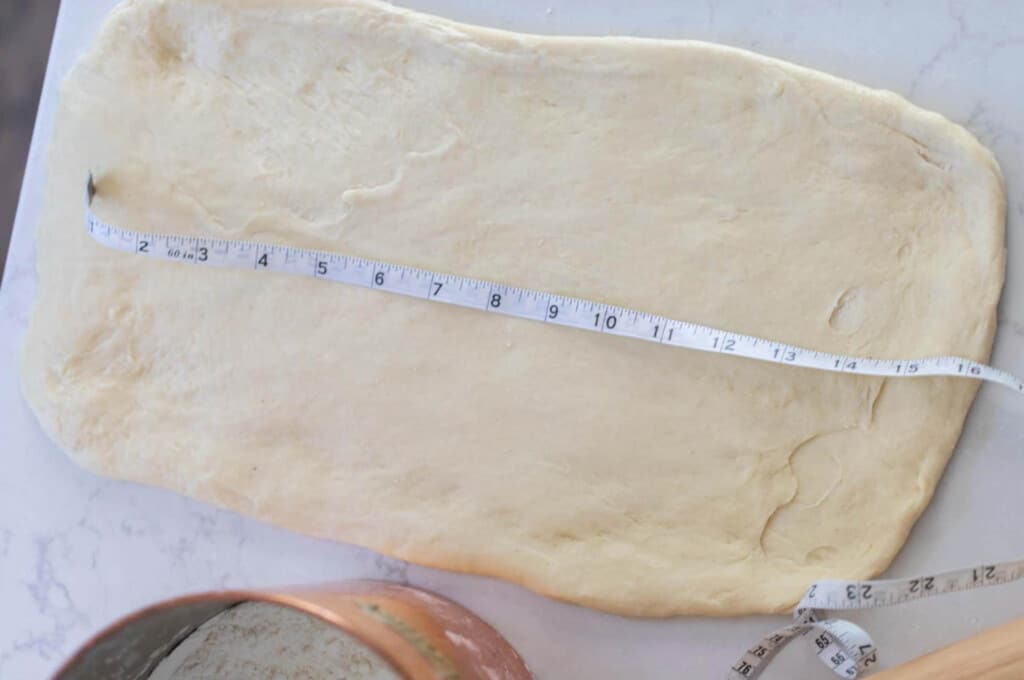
(687, 179)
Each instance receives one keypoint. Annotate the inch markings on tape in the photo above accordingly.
(518, 302)
(844, 646)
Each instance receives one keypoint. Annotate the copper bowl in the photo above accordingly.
(422, 635)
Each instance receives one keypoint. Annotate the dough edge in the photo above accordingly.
(47, 412)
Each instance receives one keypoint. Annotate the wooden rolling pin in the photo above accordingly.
(996, 654)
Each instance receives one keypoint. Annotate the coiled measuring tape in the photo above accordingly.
(843, 646)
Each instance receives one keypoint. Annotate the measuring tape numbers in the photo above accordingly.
(843, 646)
(523, 303)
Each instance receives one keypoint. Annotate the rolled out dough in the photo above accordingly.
(687, 179)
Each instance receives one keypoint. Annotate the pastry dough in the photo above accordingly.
(692, 180)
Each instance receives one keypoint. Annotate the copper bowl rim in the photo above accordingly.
(280, 597)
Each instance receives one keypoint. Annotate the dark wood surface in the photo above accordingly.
(26, 27)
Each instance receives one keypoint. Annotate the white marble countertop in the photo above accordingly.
(77, 551)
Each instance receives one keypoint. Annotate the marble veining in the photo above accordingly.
(77, 551)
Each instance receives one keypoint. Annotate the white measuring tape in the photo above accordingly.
(518, 302)
(843, 646)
